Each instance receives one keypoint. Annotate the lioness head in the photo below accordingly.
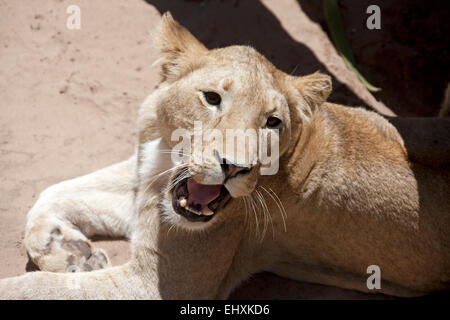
(233, 88)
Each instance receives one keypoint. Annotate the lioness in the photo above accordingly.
(345, 196)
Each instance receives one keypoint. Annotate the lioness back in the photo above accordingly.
(365, 203)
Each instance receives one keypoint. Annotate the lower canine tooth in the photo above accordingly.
(183, 203)
(194, 211)
(207, 212)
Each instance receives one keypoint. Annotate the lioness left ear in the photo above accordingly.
(314, 88)
(179, 49)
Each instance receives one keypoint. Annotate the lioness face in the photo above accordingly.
(208, 102)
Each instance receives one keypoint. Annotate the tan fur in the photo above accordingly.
(351, 195)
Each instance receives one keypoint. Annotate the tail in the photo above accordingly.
(445, 107)
(111, 283)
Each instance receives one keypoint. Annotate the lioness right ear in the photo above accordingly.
(179, 48)
(314, 88)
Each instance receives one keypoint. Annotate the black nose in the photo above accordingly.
(230, 169)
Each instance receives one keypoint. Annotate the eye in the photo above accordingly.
(212, 98)
(273, 122)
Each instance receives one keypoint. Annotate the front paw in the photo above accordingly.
(97, 259)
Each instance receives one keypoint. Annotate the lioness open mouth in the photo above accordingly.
(198, 202)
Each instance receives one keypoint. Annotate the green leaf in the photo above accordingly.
(336, 27)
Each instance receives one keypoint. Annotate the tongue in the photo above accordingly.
(202, 194)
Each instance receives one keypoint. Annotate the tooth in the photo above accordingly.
(183, 202)
(207, 211)
(193, 211)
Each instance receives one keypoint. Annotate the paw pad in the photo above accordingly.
(79, 263)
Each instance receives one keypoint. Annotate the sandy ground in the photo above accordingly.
(68, 98)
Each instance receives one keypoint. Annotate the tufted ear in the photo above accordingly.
(314, 88)
(179, 49)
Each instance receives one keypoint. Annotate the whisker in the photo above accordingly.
(183, 175)
(264, 214)
(245, 205)
(155, 177)
(269, 215)
(253, 204)
(170, 228)
(279, 205)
